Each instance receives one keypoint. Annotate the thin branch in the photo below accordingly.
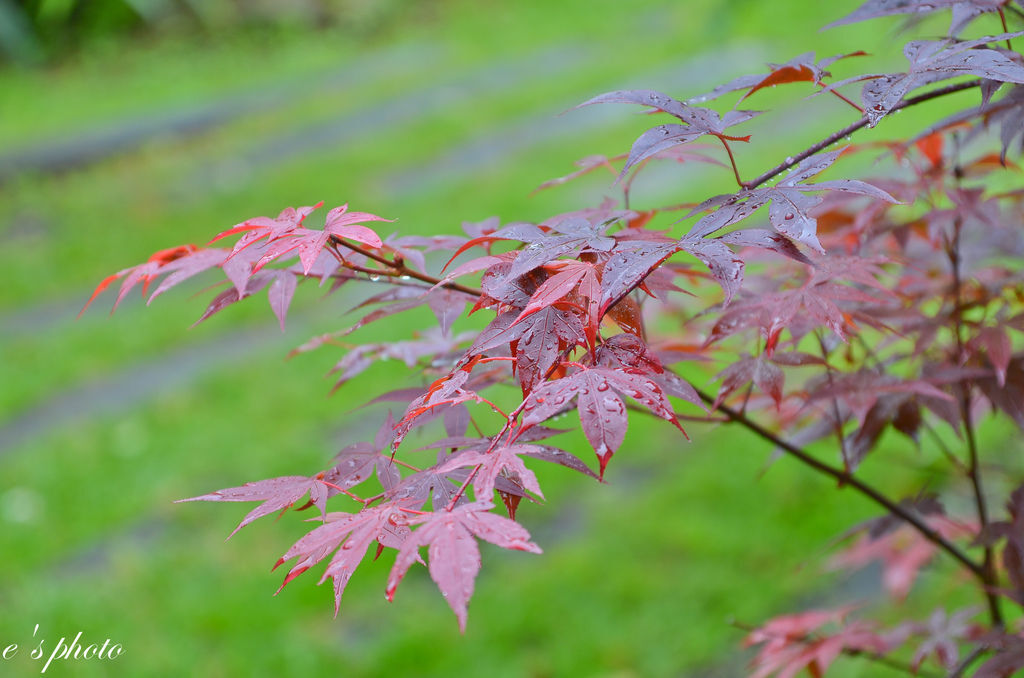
(391, 273)
(836, 416)
(853, 127)
(1002, 17)
(990, 579)
(509, 422)
(944, 448)
(846, 480)
(400, 269)
(961, 668)
(375, 274)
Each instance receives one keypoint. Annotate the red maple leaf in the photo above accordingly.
(453, 556)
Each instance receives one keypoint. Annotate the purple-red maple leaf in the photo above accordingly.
(350, 535)
(492, 463)
(790, 206)
(696, 121)
(602, 412)
(286, 233)
(453, 557)
(276, 494)
(793, 643)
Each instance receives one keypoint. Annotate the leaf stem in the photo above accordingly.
(344, 492)
(1002, 18)
(732, 161)
(407, 465)
(840, 96)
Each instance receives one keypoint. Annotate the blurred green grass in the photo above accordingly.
(639, 577)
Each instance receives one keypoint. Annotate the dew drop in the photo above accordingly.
(789, 216)
(789, 159)
(374, 277)
(603, 386)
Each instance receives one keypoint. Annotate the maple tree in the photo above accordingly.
(853, 308)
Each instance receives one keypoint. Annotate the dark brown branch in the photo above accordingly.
(853, 127)
(399, 268)
(961, 669)
(846, 480)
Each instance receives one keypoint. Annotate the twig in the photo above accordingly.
(838, 420)
(847, 480)
(853, 127)
(732, 161)
(509, 421)
(400, 269)
(990, 580)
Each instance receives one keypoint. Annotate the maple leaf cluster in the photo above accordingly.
(848, 318)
